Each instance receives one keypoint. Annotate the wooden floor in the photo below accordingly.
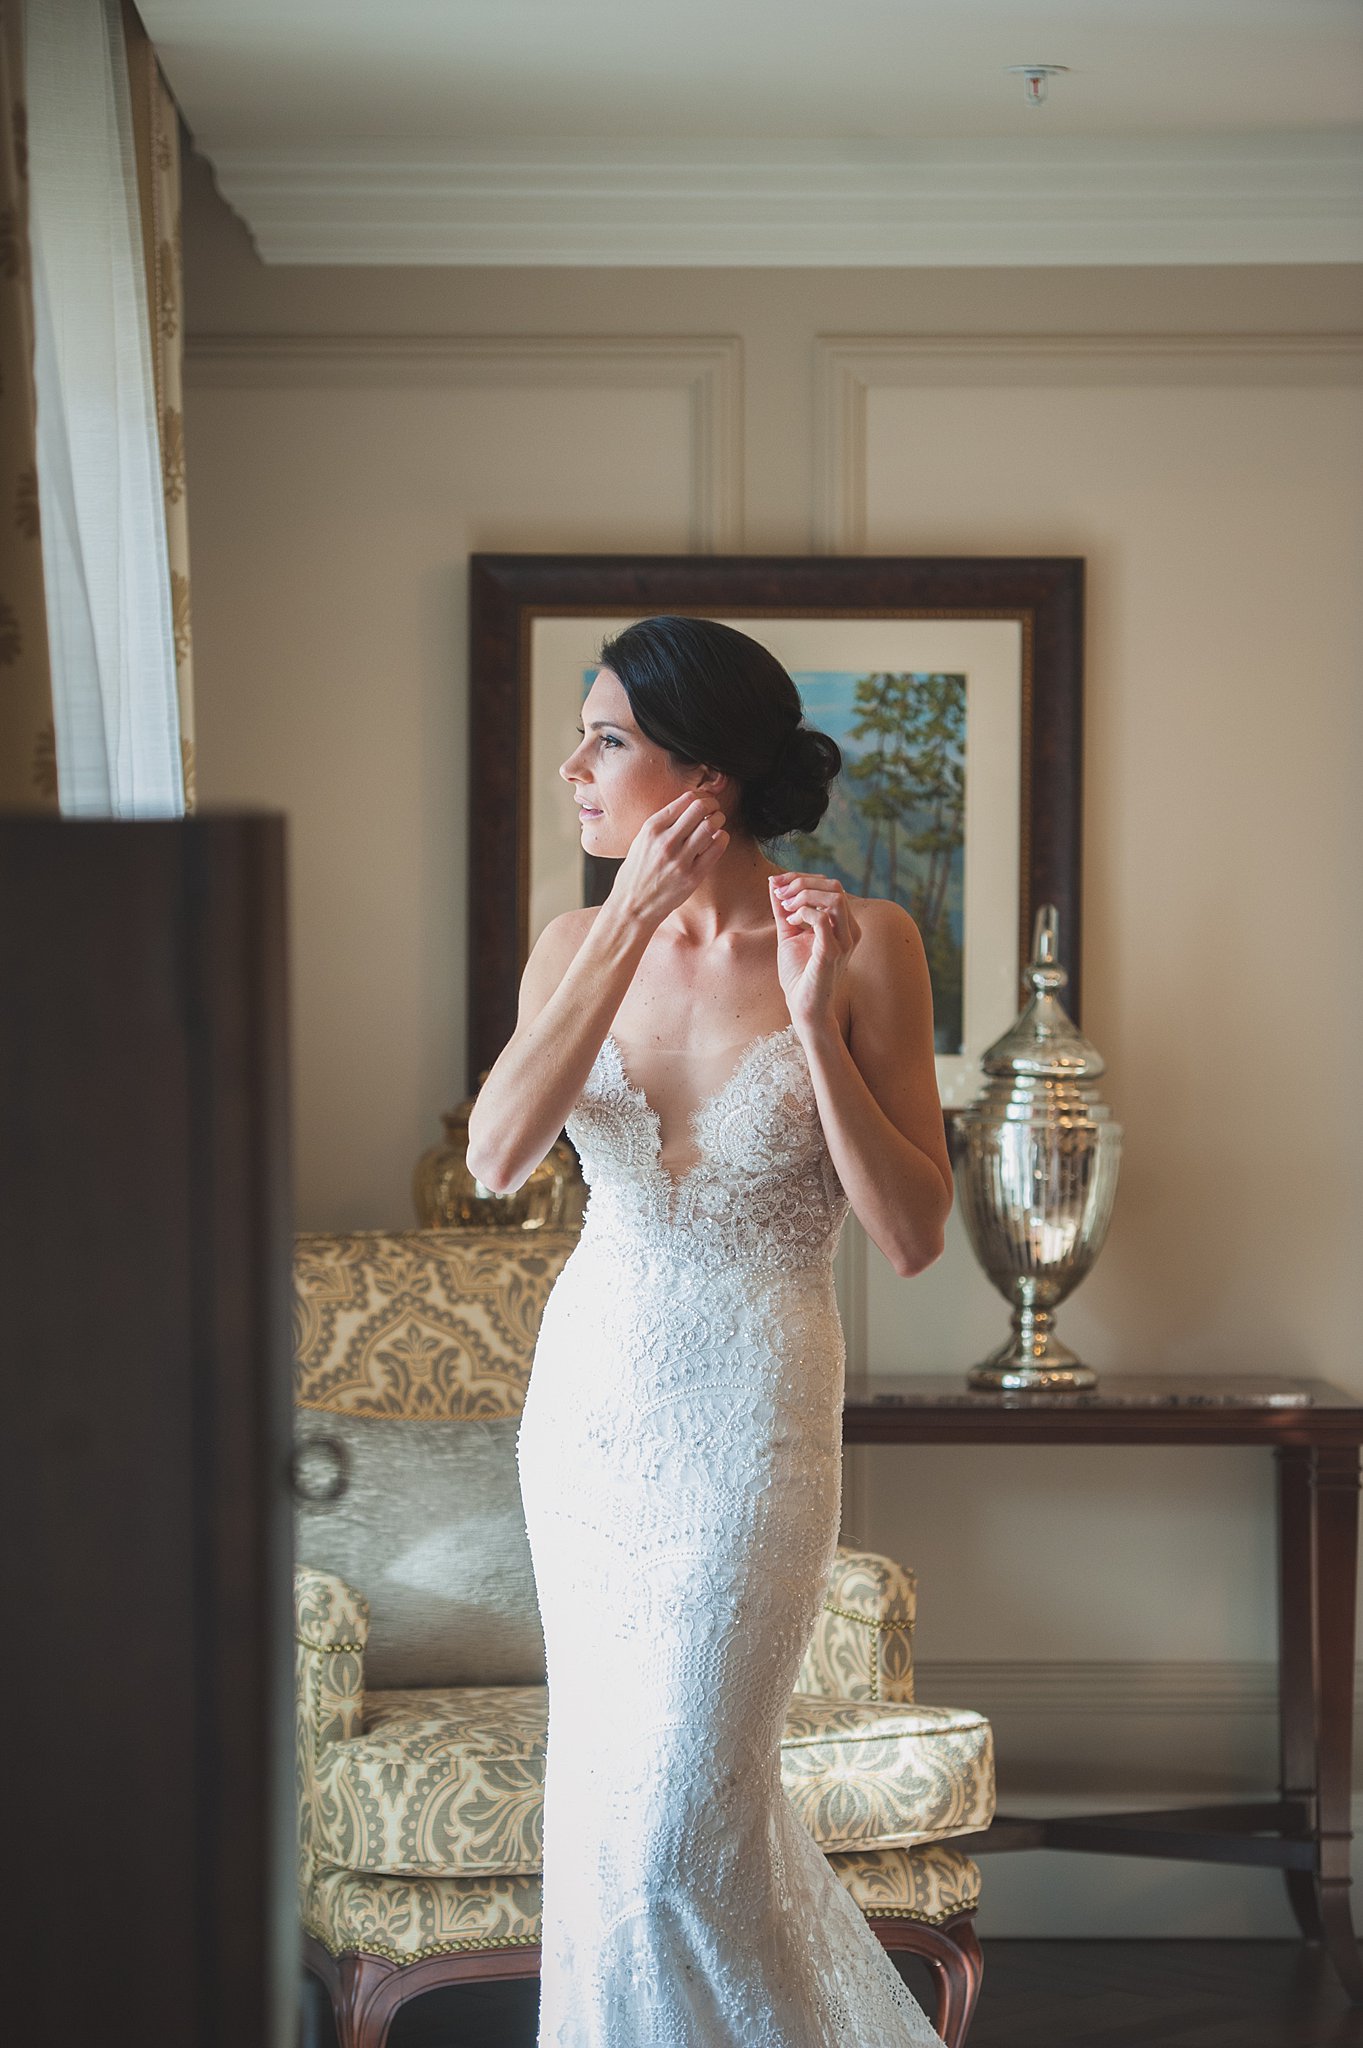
(1036, 1994)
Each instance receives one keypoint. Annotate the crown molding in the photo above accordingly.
(848, 367)
(708, 369)
(1263, 198)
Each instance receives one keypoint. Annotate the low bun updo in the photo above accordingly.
(714, 696)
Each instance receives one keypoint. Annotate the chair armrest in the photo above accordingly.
(331, 1628)
(862, 1645)
(328, 1614)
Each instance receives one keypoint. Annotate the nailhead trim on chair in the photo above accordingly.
(330, 1649)
(446, 1948)
(869, 1620)
(419, 1955)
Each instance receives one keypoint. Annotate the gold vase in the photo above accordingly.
(448, 1197)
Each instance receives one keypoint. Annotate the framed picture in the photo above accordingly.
(953, 686)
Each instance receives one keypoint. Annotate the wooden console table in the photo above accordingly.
(1314, 1431)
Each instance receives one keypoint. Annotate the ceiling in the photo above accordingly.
(777, 130)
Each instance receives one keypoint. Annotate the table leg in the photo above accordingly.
(1335, 1516)
(1297, 1626)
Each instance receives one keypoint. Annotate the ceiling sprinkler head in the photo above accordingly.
(1035, 76)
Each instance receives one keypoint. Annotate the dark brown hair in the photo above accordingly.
(714, 696)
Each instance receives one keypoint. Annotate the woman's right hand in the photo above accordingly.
(670, 853)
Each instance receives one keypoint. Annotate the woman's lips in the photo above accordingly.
(588, 811)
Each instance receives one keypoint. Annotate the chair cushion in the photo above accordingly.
(430, 1529)
(405, 1919)
(452, 1780)
(871, 1774)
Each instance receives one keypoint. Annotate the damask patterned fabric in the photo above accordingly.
(453, 1780)
(156, 135)
(407, 1919)
(331, 1622)
(421, 1322)
(28, 746)
(862, 1646)
(403, 1917)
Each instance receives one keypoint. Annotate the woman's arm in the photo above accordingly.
(877, 1095)
(574, 981)
(572, 986)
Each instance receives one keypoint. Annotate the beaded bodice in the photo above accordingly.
(763, 1190)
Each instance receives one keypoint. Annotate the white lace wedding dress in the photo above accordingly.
(680, 1469)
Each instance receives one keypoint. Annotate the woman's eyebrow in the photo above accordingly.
(598, 724)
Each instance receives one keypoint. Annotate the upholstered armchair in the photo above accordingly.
(422, 1705)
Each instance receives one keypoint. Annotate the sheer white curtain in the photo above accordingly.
(99, 467)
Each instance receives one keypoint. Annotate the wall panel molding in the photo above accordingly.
(849, 367)
(1144, 1688)
(708, 369)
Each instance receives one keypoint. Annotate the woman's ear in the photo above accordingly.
(714, 781)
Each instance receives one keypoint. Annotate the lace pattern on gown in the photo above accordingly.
(680, 1462)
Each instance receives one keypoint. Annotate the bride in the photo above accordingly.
(739, 1054)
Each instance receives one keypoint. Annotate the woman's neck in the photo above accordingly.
(733, 897)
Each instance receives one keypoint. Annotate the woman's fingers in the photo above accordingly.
(818, 895)
(812, 892)
(694, 816)
(814, 902)
(707, 828)
(678, 817)
(784, 917)
(709, 846)
(689, 826)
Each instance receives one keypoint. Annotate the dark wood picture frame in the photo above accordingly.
(507, 592)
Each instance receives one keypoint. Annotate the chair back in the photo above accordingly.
(412, 1356)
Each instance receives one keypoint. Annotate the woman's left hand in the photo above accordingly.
(816, 935)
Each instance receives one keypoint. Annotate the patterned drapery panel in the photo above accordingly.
(156, 138)
(28, 761)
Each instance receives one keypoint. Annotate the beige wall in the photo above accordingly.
(1214, 482)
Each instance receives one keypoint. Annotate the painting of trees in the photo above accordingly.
(895, 826)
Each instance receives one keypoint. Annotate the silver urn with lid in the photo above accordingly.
(1037, 1171)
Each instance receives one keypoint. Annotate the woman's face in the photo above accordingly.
(619, 777)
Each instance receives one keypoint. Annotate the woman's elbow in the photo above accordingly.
(911, 1260)
(491, 1172)
(486, 1179)
(927, 1244)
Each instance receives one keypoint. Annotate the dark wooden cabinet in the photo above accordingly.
(145, 1318)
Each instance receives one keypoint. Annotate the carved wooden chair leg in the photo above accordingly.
(365, 1993)
(952, 1953)
(366, 2000)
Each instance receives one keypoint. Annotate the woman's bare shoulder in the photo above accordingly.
(563, 934)
(551, 956)
(885, 919)
(890, 939)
